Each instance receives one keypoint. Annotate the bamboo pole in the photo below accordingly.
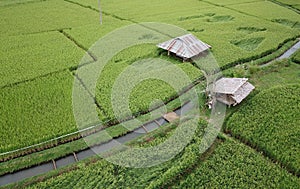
(75, 156)
(157, 123)
(54, 164)
(145, 128)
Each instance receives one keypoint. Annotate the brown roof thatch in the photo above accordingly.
(186, 46)
(232, 91)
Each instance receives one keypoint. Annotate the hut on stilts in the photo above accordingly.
(185, 47)
(232, 91)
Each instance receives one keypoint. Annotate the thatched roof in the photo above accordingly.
(243, 92)
(229, 85)
(232, 91)
(186, 46)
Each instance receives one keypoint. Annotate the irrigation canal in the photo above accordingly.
(72, 158)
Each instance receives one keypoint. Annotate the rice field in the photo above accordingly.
(271, 125)
(28, 117)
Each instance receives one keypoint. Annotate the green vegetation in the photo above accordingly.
(297, 6)
(145, 92)
(225, 18)
(194, 17)
(296, 57)
(289, 23)
(289, 3)
(230, 2)
(87, 35)
(63, 149)
(226, 160)
(42, 42)
(248, 44)
(233, 165)
(68, 146)
(36, 111)
(266, 10)
(43, 16)
(35, 55)
(14, 2)
(246, 68)
(269, 122)
(277, 74)
(250, 30)
(120, 176)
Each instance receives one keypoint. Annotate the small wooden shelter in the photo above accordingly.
(186, 46)
(232, 91)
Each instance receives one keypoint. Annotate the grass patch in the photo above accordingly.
(286, 22)
(196, 30)
(190, 17)
(248, 44)
(210, 14)
(225, 18)
(276, 74)
(250, 30)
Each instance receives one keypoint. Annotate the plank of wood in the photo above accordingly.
(54, 164)
(171, 116)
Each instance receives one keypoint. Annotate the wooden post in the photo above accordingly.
(54, 164)
(145, 128)
(168, 53)
(76, 159)
(157, 123)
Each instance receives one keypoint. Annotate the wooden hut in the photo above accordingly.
(232, 91)
(185, 47)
